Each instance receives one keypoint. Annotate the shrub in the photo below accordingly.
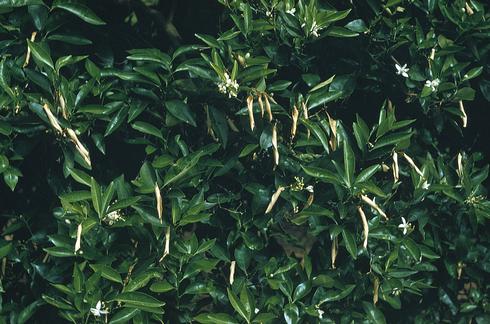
(295, 161)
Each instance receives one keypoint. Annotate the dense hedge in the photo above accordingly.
(234, 161)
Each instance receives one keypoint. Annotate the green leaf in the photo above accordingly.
(237, 305)
(322, 174)
(138, 299)
(11, 177)
(373, 314)
(216, 318)
(107, 272)
(147, 128)
(40, 51)
(5, 4)
(393, 139)
(124, 315)
(181, 111)
(412, 248)
(350, 243)
(75, 196)
(28, 311)
(367, 173)
(349, 163)
(96, 196)
(80, 10)
(337, 31)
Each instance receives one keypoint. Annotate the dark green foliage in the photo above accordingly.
(222, 161)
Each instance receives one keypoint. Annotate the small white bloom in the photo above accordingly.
(425, 185)
(404, 225)
(268, 13)
(97, 311)
(432, 84)
(402, 70)
(256, 311)
(320, 313)
(291, 11)
(309, 188)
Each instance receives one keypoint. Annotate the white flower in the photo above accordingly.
(432, 84)
(268, 13)
(404, 225)
(228, 86)
(402, 70)
(256, 311)
(320, 313)
(314, 29)
(291, 11)
(309, 188)
(425, 185)
(97, 311)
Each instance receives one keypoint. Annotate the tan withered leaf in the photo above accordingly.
(375, 290)
(159, 200)
(305, 116)
(334, 251)
(167, 244)
(464, 117)
(274, 145)
(232, 125)
(274, 198)
(375, 206)
(232, 272)
(268, 106)
(28, 54)
(78, 242)
(396, 171)
(79, 146)
(412, 164)
(250, 108)
(261, 104)
(294, 126)
(333, 128)
(52, 119)
(365, 226)
(62, 102)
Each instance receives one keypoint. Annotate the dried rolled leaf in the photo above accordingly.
(159, 200)
(209, 124)
(333, 128)
(250, 107)
(261, 104)
(464, 117)
(469, 10)
(274, 198)
(166, 251)
(232, 272)
(334, 251)
(268, 106)
(310, 199)
(28, 54)
(78, 242)
(62, 102)
(372, 204)
(52, 119)
(412, 164)
(294, 126)
(432, 54)
(396, 170)
(375, 290)
(79, 146)
(460, 165)
(365, 226)
(305, 116)
(274, 145)
(232, 125)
